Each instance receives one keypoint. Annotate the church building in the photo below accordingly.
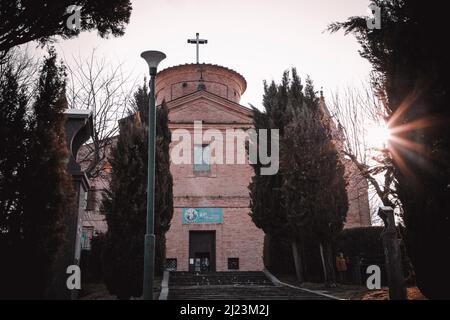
(211, 229)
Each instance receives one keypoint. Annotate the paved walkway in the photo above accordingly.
(232, 286)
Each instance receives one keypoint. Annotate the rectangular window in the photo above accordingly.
(202, 158)
(91, 200)
(86, 236)
(233, 263)
(171, 264)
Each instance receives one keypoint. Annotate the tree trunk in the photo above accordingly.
(329, 276)
(393, 257)
(297, 261)
(324, 267)
(330, 265)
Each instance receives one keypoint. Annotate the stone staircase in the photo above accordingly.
(232, 286)
(186, 279)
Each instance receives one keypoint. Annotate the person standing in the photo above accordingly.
(341, 266)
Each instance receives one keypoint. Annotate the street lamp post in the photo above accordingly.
(153, 58)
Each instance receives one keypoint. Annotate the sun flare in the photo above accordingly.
(378, 135)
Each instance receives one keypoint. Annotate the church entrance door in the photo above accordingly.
(202, 251)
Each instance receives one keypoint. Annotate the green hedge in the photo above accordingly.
(363, 242)
(92, 260)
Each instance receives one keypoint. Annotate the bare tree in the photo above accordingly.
(354, 111)
(25, 68)
(96, 84)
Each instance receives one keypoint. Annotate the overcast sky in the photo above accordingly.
(258, 38)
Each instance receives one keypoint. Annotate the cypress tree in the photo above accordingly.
(306, 200)
(163, 176)
(268, 210)
(125, 202)
(163, 187)
(13, 153)
(124, 206)
(314, 185)
(48, 194)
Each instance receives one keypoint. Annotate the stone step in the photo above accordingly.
(241, 293)
(218, 278)
(231, 286)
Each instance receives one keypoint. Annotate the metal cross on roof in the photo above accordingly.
(197, 41)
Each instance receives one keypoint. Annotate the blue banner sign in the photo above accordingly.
(202, 215)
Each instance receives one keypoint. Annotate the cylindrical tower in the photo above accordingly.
(178, 81)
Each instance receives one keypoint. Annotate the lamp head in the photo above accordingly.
(153, 58)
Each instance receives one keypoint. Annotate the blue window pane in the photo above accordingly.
(202, 157)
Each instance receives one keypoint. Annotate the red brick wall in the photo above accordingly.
(236, 237)
(226, 186)
(358, 214)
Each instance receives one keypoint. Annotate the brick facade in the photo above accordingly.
(225, 186)
(211, 94)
